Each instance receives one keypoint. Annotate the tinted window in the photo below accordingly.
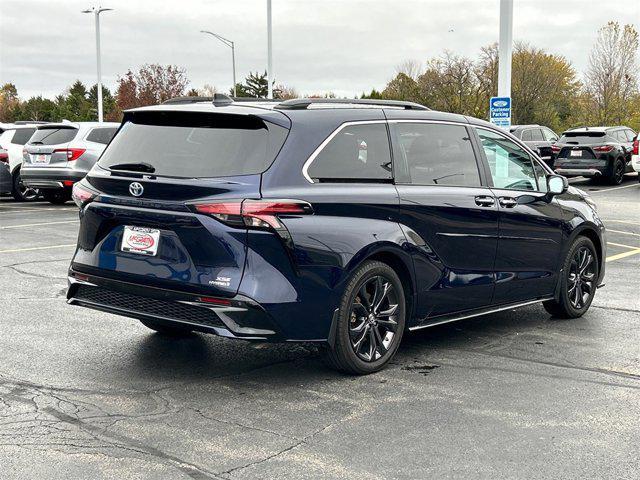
(438, 154)
(526, 136)
(630, 135)
(101, 135)
(53, 136)
(358, 152)
(22, 135)
(536, 135)
(582, 138)
(196, 145)
(510, 165)
(549, 135)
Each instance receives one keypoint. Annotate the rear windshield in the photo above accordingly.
(53, 136)
(195, 145)
(586, 138)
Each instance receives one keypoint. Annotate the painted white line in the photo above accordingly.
(623, 221)
(592, 192)
(37, 248)
(29, 210)
(623, 233)
(38, 224)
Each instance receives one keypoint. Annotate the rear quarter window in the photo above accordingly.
(22, 135)
(101, 135)
(355, 153)
(53, 136)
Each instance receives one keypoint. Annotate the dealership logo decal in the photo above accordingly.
(141, 241)
(136, 189)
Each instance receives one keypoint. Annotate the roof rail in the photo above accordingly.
(183, 100)
(304, 103)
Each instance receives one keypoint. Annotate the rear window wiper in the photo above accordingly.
(134, 167)
(36, 143)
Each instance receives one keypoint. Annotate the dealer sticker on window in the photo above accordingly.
(140, 240)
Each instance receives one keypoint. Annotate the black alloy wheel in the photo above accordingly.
(579, 279)
(21, 192)
(373, 322)
(618, 172)
(370, 320)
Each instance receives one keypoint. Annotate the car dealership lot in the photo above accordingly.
(85, 394)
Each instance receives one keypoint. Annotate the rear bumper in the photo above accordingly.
(50, 177)
(635, 163)
(237, 317)
(579, 172)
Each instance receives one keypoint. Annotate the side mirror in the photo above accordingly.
(557, 184)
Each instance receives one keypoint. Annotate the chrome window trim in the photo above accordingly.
(316, 152)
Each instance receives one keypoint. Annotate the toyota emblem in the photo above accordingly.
(136, 189)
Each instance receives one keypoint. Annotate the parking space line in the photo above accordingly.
(623, 221)
(623, 233)
(623, 255)
(38, 224)
(622, 245)
(591, 192)
(14, 250)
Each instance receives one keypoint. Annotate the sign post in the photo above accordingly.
(500, 111)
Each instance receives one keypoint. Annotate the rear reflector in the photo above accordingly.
(81, 195)
(68, 183)
(555, 148)
(254, 213)
(72, 153)
(215, 301)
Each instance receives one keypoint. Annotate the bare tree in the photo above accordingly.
(410, 68)
(612, 78)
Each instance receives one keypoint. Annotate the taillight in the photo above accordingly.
(81, 195)
(72, 153)
(4, 157)
(603, 148)
(555, 148)
(254, 213)
(636, 147)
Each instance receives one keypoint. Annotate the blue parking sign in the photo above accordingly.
(500, 111)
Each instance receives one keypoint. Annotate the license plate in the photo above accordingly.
(143, 241)
(41, 159)
(575, 153)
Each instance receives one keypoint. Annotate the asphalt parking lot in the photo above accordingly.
(85, 394)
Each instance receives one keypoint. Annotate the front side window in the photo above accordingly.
(438, 154)
(511, 167)
(356, 153)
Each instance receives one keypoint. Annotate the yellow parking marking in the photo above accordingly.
(14, 250)
(592, 192)
(623, 255)
(38, 224)
(621, 245)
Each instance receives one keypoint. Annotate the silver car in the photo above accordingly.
(60, 154)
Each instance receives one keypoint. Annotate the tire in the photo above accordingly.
(370, 320)
(21, 192)
(571, 304)
(57, 197)
(166, 329)
(617, 173)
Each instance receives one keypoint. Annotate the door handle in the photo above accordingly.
(507, 202)
(485, 201)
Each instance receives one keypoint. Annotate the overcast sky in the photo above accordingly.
(346, 46)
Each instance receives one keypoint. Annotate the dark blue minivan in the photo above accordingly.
(342, 222)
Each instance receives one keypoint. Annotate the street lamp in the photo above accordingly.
(228, 43)
(96, 13)
(269, 52)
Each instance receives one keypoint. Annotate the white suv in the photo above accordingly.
(13, 139)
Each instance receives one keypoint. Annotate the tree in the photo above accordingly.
(109, 107)
(283, 92)
(38, 108)
(74, 104)
(612, 78)
(255, 85)
(402, 87)
(150, 85)
(9, 102)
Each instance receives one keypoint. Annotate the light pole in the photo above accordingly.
(505, 47)
(96, 13)
(269, 52)
(228, 43)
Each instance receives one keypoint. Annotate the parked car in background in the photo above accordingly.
(341, 222)
(635, 155)
(596, 152)
(13, 139)
(60, 154)
(538, 138)
(6, 183)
